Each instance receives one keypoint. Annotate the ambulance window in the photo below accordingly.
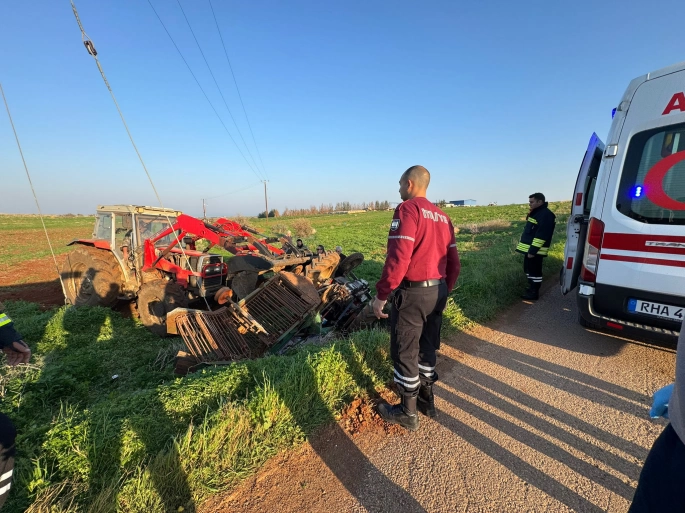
(644, 151)
(589, 196)
(590, 182)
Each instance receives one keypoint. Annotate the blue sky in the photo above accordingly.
(496, 99)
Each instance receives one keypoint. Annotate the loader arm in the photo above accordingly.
(226, 234)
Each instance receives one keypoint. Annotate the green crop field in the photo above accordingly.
(105, 426)
(24, 239)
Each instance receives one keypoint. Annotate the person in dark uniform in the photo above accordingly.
(17, 352)
(422, 266)
(535, 242)
(660, 486)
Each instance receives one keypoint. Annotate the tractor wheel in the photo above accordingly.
(92, 277)
(156, 299)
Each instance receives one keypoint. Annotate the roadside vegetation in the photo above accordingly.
(104, 425)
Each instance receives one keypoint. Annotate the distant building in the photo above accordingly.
(464, 203)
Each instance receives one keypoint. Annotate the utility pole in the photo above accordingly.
(266, 203)
(204, 210)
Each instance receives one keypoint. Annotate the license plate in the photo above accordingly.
(638, 306)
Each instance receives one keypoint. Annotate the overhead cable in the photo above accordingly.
(203, 91)
(259, 154)
(35, 197)
(199, 47)
(234, 192)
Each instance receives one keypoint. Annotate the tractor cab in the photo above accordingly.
(125, 227)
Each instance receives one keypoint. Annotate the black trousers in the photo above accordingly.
(660, 487)
(533, 269)
(8, 433)
(415, 322)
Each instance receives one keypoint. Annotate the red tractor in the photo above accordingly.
(151, 255)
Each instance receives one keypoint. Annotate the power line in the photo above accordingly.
(35, 197)
(259, 154)
(203, 91)
(235, 192)
(217, 84)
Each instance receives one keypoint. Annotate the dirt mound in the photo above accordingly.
(361, 416)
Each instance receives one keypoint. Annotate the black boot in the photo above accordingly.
(403, 414)
(425, 402)
(533, 293)
(528, 291)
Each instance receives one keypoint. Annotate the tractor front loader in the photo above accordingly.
(271, 295)
(149, 255)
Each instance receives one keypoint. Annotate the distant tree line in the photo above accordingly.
(342, 206)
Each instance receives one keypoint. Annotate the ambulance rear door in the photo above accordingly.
(576, 228)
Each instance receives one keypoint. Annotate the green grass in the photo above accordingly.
(147, 441)
(24, 239)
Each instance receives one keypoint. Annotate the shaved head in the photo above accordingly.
(419, 175)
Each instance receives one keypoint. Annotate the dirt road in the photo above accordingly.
(535, 414)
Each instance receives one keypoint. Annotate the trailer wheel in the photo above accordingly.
(156, 299)
(92, 277)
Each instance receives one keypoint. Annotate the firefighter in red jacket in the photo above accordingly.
(422, 267)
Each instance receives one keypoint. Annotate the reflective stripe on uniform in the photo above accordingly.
(533, 220)
(538, 243)
(6, 475)
(4, 319)
(405, 384)
(426, 371)
(401, 237)
(5, 488)
(405, 381)
(523, 247)
(452, 245)
(543, 251)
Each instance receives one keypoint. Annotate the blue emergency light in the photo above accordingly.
(613, 113)
(637, 191)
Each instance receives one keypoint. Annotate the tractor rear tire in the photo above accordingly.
(156, 299)
(92, 277)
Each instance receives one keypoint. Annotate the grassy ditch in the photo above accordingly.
(105, 426)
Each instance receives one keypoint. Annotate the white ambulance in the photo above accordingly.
(626, 234)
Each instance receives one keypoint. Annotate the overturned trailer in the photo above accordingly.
(271, 309)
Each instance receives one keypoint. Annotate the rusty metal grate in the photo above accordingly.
(282, 303)
(218, 335)
(249, 329)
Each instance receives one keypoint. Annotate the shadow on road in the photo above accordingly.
(467, 384)
(537, 424)
(340, 454)
(561, 377)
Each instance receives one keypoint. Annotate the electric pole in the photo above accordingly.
(204, 210)
(266, 203)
